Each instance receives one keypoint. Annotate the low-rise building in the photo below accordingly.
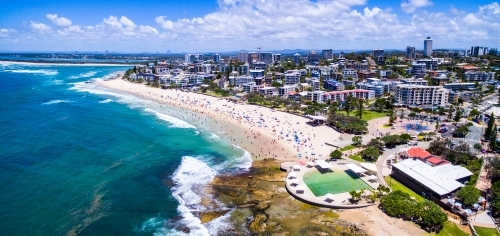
(432, 181)
(479, 76)
(413, 81)
(418, 70)
(285, 90)
(341, 96)
(292, 77)
(269, 91)
(460, 86)
(349, 72)
(333, 85)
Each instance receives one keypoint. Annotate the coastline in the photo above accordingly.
(61, 63)
(262, 142)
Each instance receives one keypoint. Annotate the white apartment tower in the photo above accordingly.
(428, 47)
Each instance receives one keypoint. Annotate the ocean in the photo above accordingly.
(76, 158)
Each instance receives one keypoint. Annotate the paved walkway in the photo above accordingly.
(383, 169)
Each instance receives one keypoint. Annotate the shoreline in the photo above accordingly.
(61, 63)
(239, 125)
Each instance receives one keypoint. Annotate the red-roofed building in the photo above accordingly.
(417, 152)
(435, 161)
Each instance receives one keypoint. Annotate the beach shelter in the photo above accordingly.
(325, 166)
(310, 163)
(372, 177)
(356, 169)
(329, 197)
(292, 175)
(296, 167)
(294, 181)
(299, 189)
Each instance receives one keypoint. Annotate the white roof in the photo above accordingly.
(294, 181)
(372, 177)
(310, 163)
(428, 176)
(355, 168)
(317, 117)
(292, 174)
(296, 166)
(299, 187)
(452, 172)
(369, 166)
(329, 196)
(323, 164)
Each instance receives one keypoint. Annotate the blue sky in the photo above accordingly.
(226, 25)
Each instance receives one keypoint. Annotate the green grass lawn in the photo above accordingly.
(450, 229)
(395, 185)
(367, 115)
(481, 231)
(347, 148)
(357, 158)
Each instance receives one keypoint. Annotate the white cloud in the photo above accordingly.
(411, 5)
(60, 21)
(283, 24)
(494, 7)
(166, 24)
(148, 29)
(39, 26)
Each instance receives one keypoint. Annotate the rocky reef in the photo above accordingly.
(262, 206)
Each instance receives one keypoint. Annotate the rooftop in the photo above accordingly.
(433, 178)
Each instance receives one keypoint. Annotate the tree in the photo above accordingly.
(493, 139)
(404, 138)
(458, 115)
(495, 194)
(439, 146)
(469, 194)
(379, 104)
(370, 153)
(478, 146)
(355, 195)
(356, 140)
(474, 113)
(489, 128)
(360, 105)
(375, 143)
(349, 104)
(391, 117)
(336, 154)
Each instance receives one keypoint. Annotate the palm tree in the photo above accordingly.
(360, 103)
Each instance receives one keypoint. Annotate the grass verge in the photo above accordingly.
(395, 185)
(481, 231)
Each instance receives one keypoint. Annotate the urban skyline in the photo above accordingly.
(232, 25)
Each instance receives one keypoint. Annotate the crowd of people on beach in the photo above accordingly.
(262, 132)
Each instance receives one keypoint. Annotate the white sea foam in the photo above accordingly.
(212, 135)
(57, 101)
(83, 75)
(240, 163)
(177, 123)
(40, 71)
(220, 224)
(152, 224)
(189, 178)
(106, 101)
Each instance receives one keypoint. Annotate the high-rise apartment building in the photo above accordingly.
(276, 58)
(327, 54)
(410, 52)
(216, 58)
(378, 55)
(312, 57)
(428, 47)
(243, 56)
(266, 57)
(296, 58)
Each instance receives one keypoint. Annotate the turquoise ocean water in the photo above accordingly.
(79, 159)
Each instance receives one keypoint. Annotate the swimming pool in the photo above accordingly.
(337, 181)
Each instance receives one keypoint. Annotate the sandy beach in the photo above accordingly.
(261, 131)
